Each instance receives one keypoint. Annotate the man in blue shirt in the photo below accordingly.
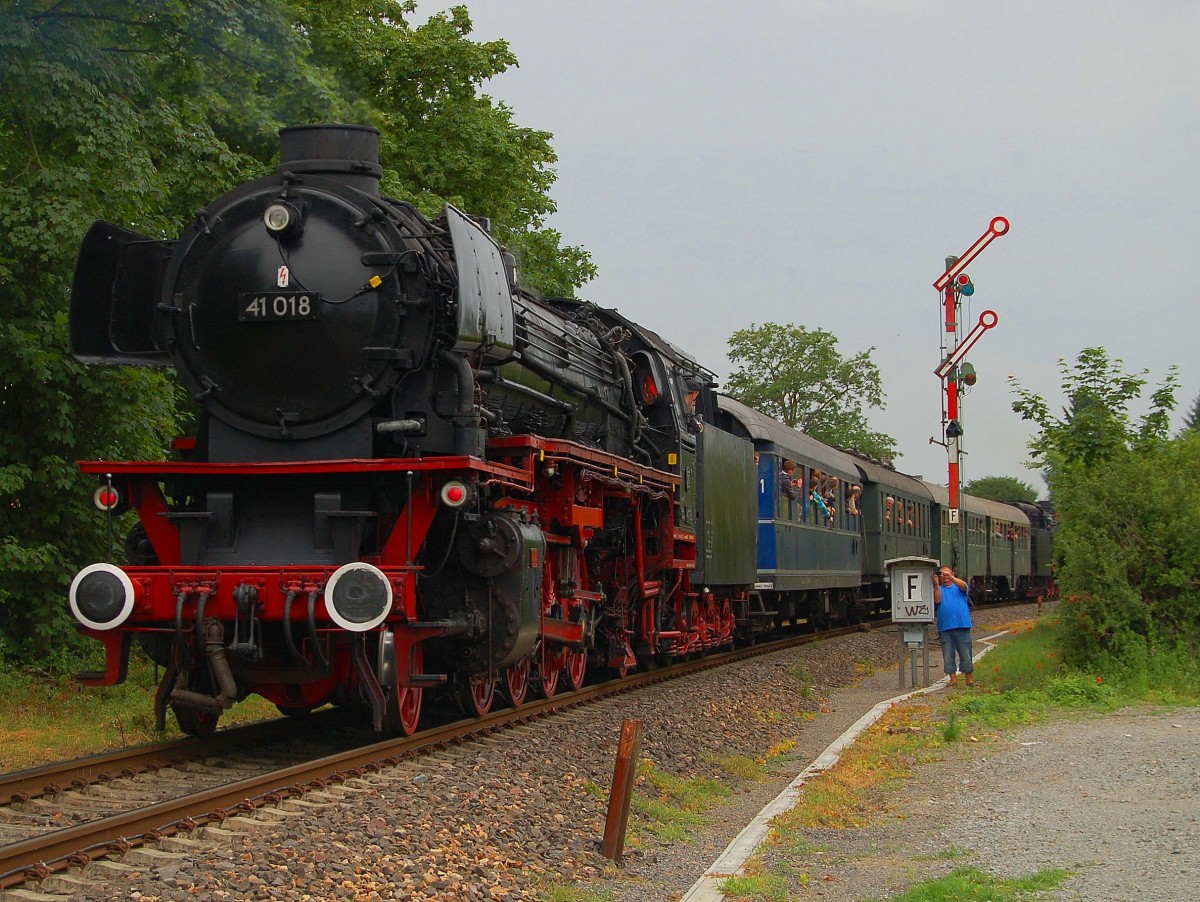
(954, 625)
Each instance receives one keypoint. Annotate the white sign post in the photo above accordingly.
(911, 581)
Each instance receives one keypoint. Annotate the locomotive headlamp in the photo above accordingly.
(281, 219)
(358, 597)
(101, 596)
(456, 494)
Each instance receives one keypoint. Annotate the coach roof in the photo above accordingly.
(787, 441)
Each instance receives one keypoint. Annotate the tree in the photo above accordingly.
(1128, 499)
(797, 376)
(1097, 423)
(131, 111)
(1192, 420)
(442, 141)
(1001, 488)
(143, 111)
(1128, 550)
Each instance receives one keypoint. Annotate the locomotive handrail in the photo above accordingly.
(563, 449)
(292, 467)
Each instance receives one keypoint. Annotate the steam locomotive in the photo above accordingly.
(409, 474)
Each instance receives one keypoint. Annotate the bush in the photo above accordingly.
(1129, 553)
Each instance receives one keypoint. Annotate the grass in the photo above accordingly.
(952, 729)
(768, 887)
(672, 808)
(739, 766)
(882, 756)
(1024, 681)
(800, 672)
(972, 883)
(46, 716)
(676, 806)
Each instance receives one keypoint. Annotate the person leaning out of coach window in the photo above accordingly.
(954, 625)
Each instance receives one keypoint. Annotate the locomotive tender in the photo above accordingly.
(409, 474)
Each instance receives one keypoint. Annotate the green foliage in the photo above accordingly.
(952, 729)
(677, 804)
(765, 887)
(1129, 551)
(738, 766)
(1098, 423)
(1192, 420)
(1029, 676)
(1001, 488)
(798, 376)
(141, 112)
(1128, 499)
(442, 141)
(87, 131)
(972, 883)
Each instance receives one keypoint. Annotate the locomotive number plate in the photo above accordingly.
(278, 306)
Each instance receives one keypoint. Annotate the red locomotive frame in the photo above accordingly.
(571, 491)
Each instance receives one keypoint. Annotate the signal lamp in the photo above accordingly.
(966, 374)
(455, 494)
(964, 285)
(954, 429)
(106, 498)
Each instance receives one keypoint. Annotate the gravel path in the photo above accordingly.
(504, 818)
(1114, 800)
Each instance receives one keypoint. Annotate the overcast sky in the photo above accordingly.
(809, 162)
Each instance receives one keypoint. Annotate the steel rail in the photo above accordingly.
(77, 773)
(41, 856)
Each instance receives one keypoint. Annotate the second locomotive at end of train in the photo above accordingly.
(410, 474)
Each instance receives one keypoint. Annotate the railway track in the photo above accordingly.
(158, 805)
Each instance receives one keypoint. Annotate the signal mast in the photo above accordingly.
(953, 285)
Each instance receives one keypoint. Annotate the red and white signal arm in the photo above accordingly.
(997, 227)
(987, 320)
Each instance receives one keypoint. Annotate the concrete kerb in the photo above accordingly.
(737, 853)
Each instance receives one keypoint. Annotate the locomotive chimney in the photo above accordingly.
(345, 153)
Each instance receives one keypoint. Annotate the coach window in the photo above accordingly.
(806, 505)
(786, 500)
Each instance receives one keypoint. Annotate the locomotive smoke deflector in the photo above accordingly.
(485, 307)
(117, 277)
